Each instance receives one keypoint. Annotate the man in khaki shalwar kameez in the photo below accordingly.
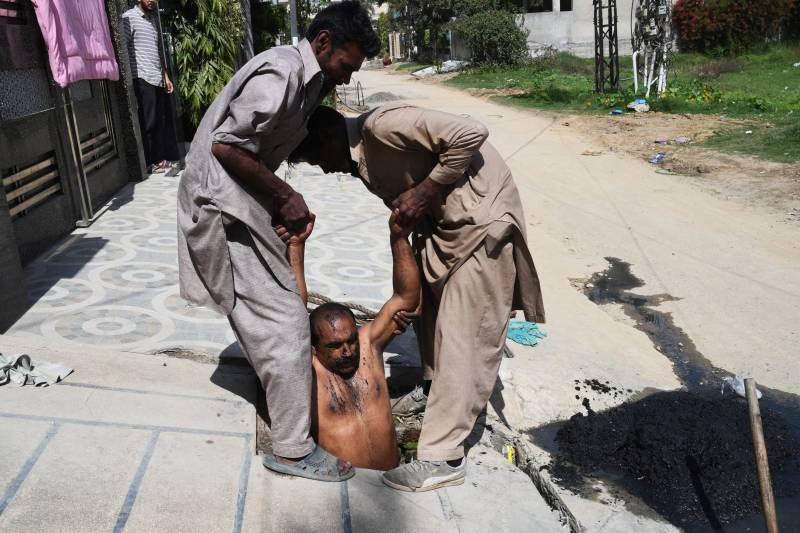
(437, 169)
(229, 256)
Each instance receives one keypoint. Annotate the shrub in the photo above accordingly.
(494, 37)
(268, 20)
(728, 26)
(208, 37)
(384, 26)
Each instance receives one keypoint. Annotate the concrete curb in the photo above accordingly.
(524, 460)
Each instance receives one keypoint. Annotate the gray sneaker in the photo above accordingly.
(419, 476)
(411, 404)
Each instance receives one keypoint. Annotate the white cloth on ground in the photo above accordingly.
(20, 370)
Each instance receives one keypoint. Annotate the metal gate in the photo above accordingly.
(59, 160)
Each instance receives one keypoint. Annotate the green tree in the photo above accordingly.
(717, 25)
(494, 36)
(384, 26)
(208, 36)
(269, 20)
(431, 19)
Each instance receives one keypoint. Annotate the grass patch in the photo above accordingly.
(774, 141)
(762, 86)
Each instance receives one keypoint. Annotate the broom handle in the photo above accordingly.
(762, 462)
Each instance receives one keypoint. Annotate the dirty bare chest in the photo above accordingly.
(353, 418)
(358, 395)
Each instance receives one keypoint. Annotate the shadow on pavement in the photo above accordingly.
(124, 196)
(234, 374)
(63, 261)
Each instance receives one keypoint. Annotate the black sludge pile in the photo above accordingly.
(688, 457)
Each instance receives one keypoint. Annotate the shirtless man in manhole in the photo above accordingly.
(351, 412)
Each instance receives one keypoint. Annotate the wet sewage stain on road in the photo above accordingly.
(687, 453)
(696, 373)
(687, 456)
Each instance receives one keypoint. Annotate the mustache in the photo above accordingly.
(345, 362)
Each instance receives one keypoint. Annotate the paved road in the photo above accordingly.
(725, 274)
(731, 270)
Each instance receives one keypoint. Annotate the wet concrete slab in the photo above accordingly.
(277, 503)
(80, 479)
(201, 474)
(376, 507)
(108, 454)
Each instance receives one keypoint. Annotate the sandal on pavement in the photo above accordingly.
(160, 168)
(319, 465)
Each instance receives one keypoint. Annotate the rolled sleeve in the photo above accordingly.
(453, 139)
(255, 112)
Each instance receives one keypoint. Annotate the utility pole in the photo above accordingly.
(606, 67)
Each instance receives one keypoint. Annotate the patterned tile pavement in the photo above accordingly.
(114, 284)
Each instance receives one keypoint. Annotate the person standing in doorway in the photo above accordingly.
(151, 84)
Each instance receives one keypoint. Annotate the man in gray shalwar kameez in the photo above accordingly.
(229, 200)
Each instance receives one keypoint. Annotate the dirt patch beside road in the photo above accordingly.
(687, 456)
(747, 179)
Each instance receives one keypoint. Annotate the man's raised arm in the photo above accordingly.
(296, 252)
(405, 281)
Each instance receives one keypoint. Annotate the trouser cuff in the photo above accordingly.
(293, 450)
(440, 454)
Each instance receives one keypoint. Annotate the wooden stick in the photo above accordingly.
(762, 462)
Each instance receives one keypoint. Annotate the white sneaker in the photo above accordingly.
(419, 476)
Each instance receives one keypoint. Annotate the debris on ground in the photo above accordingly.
(591, 152)
(669, 172)
(21, 370)
(736, 384)
(658, 158)
(450, 65)
(596, 386)
(639, 105)
(525, 333)
(661, 140)
(382, 97)
(682, 140)
(727, 175)
(689, 457)
(408, 430)
(617, 112)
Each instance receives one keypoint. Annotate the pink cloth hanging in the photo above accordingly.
(78, 40)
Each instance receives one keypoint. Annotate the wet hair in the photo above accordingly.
(347, 22)
(323, 117)
(327, 312)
